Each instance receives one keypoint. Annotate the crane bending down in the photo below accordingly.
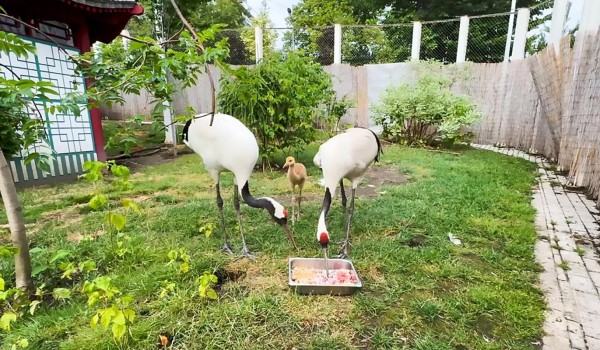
(344, 156)
(228, 145)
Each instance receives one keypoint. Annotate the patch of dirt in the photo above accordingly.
(375, 178)
(164, 155)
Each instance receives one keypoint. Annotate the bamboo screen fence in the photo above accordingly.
(548, 104)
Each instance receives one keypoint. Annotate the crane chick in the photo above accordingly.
(296, 176)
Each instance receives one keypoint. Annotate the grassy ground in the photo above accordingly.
(420, 291)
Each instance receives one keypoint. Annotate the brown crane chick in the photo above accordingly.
(296, 176)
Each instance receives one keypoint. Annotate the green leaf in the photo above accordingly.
(97, 202)
(6, 320)
(1, 284)
(23, 343)
(33, 306)
(94, 321)
(8, 251)
(39, 269)
(118, 331)
(117, 220)
(87, 266)
(119, 317)
(107, 316)
(211, 294)
(59, 255)
(184, 268)
(31, 157)
(61, 293)
(128, 203)
(129, 315)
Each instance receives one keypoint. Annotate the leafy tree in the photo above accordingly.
(313, 22)
(419, 113)
(268, 99)
(269, 37)
(160, 20)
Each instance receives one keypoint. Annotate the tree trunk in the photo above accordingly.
(18, 235)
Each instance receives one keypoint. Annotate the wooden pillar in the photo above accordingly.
(82, 39)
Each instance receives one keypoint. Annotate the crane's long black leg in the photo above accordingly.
(346, 244)
(236, 203)
(226, 249)
(343, 194)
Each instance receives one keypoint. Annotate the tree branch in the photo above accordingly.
(208, 73)
(136, 39)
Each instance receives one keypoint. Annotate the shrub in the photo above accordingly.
(420, 113)
(278, 100)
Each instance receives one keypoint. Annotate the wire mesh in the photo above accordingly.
(363, 44)
(439, 40)
(487, 38)
(241, 45)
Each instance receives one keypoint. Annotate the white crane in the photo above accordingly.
(228, 145)
(344, 156)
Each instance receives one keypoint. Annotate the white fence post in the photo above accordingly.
(416, 42)
(125, 40)
(591, 16)
(518, 50)
(511, 23)
(463, 36)
(337, 44)
(559, 15)
(258, 43)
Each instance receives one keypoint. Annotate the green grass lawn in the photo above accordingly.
(420, 291)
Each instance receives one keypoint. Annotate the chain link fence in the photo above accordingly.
(439, 40)
(365, 44)
(487, 38)
(391, 43)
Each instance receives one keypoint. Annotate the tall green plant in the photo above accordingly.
(417, 114)
(277, 100)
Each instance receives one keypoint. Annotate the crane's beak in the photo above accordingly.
(285, 165)
(290, 235)
(326, 261)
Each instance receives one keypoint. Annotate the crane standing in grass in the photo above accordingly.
(345, 156)
(228, 145)
(296, 176)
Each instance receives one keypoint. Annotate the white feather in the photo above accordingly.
(227, 145)
(347, 155)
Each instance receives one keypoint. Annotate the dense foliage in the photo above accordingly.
(278, 100)
(420, 113)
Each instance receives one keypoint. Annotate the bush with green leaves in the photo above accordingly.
(419, 113)
(279, 100)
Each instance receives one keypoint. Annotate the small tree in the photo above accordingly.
(420, 113)
(277, 100)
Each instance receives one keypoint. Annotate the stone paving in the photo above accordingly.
(569, 236)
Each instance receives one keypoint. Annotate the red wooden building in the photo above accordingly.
(75, 25)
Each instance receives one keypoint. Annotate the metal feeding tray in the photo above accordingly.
(316, 263)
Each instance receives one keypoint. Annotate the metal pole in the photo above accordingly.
(511, 22)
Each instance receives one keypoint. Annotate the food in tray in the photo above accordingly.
(337, 277)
